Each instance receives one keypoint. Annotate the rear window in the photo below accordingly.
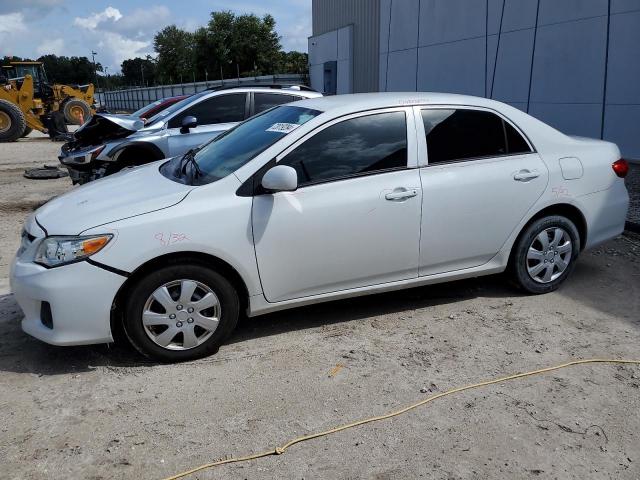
(455, 135)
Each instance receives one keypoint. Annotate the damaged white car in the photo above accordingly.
(321, 199)
(108, 143)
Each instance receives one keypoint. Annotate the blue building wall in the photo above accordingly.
(574, 64)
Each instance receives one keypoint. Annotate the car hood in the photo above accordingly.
(103, 127)
(128, 193)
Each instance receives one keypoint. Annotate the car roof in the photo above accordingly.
(344, 104)
(299, 90)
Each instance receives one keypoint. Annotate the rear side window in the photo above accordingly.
(454, 135)
(218, 109)
(361, 145)
(264, 101)
(515, 142)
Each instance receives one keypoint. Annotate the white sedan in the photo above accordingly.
(320, 199)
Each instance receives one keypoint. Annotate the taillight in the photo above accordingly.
(621, 167)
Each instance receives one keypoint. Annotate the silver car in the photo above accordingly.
(108, 143)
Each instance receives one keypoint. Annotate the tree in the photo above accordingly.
(139, 71)
(69, 70)
(293, 62)
(65, 70)
(175, 49)
(255, 45)
(229, 44)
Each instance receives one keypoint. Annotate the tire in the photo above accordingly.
(27, 131)
(189, 319)
(12, 122)
(72, 110)
(536, 268)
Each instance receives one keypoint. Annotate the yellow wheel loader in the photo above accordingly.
(27, 100)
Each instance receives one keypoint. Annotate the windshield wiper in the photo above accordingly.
(188, 159)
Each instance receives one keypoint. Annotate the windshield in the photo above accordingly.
(174, 108)
(233, 149)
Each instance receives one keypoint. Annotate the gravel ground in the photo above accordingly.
(102, 412)
(633, 185)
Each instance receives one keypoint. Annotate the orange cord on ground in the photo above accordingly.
(283, 448)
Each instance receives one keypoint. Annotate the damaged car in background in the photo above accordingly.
(109, 143)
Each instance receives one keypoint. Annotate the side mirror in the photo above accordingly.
(187, 123)
(280, 178)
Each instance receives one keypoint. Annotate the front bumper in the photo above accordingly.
(81, 164)
(80, 297)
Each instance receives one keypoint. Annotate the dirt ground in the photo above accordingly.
(102, 412)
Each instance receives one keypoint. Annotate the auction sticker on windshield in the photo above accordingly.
(282, 127)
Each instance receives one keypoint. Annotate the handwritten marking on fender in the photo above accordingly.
(170, 238)
(560, 191)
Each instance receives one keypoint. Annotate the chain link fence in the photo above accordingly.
(132, 99)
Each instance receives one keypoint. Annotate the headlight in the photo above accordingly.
(56, 251)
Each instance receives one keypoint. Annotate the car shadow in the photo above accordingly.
(359, 308)
(20, 353)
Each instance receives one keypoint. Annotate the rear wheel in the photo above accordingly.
(180, 312)
(76, 111)
(545, 254)
(12, 122)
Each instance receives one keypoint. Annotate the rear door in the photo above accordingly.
(481, 178)
(214, 114)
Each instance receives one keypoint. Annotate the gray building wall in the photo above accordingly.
(574, 64)
(364, 15)
(335, 45)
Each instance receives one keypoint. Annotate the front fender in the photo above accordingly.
(152, 149)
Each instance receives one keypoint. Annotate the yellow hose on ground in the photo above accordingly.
(282, 449)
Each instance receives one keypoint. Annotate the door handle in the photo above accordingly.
(401, 194)
(526, 175)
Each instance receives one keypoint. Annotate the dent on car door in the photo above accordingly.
(354, 220)
(215, 115)
(482, 178)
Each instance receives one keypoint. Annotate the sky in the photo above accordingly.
(121, 29)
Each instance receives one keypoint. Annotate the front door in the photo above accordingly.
(354, 220)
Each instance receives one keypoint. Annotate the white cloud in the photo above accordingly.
(92, 21)
(12, 23)
(119, 36)
(120, 48)
(140, 22)
(55, 47)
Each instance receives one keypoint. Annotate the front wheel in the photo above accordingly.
(180, 312)
(545, 254)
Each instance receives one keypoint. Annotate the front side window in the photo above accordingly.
(264, 101)
(454, 135)
(218, 109)
(361, 145)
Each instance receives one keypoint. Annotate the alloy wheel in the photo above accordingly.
(181, 315)
(549, 255)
